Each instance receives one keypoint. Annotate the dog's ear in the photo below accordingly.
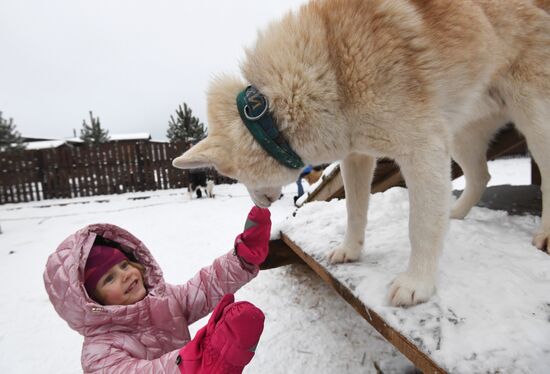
(193, 158)
(205, 154)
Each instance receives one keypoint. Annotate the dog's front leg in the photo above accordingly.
(427, 174)
(357, 170)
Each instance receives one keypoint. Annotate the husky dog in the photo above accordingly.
(210, 188)
(418, 81)
(193, 191)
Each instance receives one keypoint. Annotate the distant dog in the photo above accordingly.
(194, 191)
(200, 190)
(210, 188)
(413, 80)
(197, 182)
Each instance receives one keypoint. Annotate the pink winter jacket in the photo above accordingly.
(144, 337)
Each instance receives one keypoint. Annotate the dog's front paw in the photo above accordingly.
(541, 240)
(407, 290)
(343, 254)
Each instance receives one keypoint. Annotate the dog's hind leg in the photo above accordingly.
(427, 174)
(533, 121)
(357, 171)
(469, 149)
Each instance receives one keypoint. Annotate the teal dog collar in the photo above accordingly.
(254, 111)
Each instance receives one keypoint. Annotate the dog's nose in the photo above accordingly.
(263, 201)
(264, 197)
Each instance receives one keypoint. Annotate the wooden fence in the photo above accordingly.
(111, 168)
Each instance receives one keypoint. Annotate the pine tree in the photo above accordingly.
(185, 127)
(10, 138)
(93, 133)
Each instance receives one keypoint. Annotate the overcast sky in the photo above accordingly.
(131, 62)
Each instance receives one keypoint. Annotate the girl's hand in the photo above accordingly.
(252, 245)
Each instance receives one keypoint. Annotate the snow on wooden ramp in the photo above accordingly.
(491, 312)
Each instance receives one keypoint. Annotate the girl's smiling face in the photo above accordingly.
(121, 285)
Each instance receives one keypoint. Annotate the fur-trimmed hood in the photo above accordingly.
(64, 281)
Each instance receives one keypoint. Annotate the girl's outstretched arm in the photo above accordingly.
(226, 275)
(230, 272)
(105, 357)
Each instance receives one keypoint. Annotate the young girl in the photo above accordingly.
(106, 284)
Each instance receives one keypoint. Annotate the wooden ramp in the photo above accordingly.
(286, 248)
(491, 313)
(387, 174)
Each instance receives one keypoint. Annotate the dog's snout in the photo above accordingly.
(265, 197)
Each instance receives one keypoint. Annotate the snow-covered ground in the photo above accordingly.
(309, 328)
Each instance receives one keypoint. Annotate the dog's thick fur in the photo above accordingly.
(413, 80)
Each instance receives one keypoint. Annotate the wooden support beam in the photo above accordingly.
(417, 357)
(279, 254)
(387, 174)
(330, 187)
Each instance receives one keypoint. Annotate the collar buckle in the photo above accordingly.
(256, 104)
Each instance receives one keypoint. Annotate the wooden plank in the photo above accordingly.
(22, 176)
(329, 188)
(150, 174)
(84, 187)
(30, 174)
(117, 162)
(387, 174)
(81, 171)
(131, 166)
(394, 179)
(129, 158)
(178, 178)
(4, 178)
(15, 177)
(47, 184)
(164, 163)
(93, 170)
(101, 163)
(122, 165)
(37, 181)
(18, 155)
(10, 172)
(140, 175)
(417, 357)
(65, 170)
(113, 167)
(73, 159)
(52, 166)
(155, 161)
(59, 180)
(279, 254)
(507, 142)
(7, 171)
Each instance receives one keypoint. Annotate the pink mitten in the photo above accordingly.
(252, 245)
(228, 341)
